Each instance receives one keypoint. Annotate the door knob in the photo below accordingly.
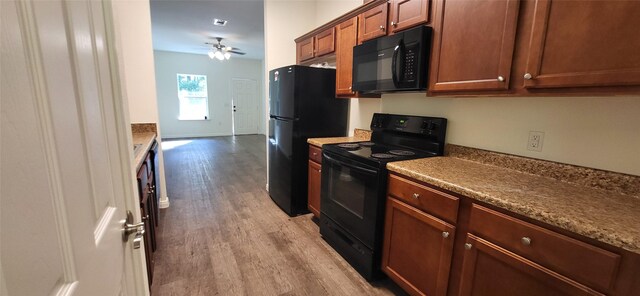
(381, 28)
(394, 24)
(527, 76)
(500, 78)
(128, 228)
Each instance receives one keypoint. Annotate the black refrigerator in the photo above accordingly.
(302, 104)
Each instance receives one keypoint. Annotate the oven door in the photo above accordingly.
(350, 196)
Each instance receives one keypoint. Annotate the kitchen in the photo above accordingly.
(602, 128)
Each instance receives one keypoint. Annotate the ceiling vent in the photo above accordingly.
(219, 22)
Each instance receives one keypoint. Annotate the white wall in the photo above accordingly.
(327, 10)
(219, 75)
(133, 33)
(598, 132)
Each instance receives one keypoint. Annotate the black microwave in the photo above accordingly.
(393, 63)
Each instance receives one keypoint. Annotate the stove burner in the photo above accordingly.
(367, 144)
(402, 152)
(349, 146)
(382, 155)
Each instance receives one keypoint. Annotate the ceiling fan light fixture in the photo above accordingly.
(227, 55)
(219, 55)
(211, 54)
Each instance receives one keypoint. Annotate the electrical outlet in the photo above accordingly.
(535, 141)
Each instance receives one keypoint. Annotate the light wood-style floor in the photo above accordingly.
(222, 234)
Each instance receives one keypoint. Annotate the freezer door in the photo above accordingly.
(282, 92)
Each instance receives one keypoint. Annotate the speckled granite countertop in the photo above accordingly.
(359, 136)
(145, 139)
(606, 216)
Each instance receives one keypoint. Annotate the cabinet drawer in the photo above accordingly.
(315, 153)
(434, 202)
(587, 264)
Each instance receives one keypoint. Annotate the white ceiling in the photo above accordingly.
(184, 26)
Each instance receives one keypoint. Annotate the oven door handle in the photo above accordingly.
(331, 159)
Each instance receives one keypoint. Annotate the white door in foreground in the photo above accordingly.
(245, 106)
(65, 157)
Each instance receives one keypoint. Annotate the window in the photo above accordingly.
(192, 94)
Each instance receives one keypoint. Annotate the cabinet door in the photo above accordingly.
(474, 44)
(325, 42)
(493, 271)
(347, 39)
(373, 23)
(408, 13)
(304, 49)
(148, 248)
(151, 212)
(417, 249)
(584, 43)
(313, 203)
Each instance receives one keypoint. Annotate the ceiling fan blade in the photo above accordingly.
(236, 52)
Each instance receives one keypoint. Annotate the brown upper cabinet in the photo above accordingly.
(321, 44)
(305, 49)
(584, 43)
(473, 45)
(540, 46)
(347, 35)
(408, 13)
(325, 42)
(373, 23)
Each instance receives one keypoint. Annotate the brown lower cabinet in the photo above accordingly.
(417, 250)
(148, 209)
(493, 271)
(492, 252)
(315, 173)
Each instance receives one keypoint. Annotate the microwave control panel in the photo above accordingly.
(410, 61)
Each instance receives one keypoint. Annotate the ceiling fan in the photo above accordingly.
(220, 51)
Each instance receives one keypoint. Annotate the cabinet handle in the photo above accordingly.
(315, 153)
(349, 87)
(526, 241)
(527, 76)
(467, 246)
(319, 171)
(416, 196)
(394, 24)
(445, 234)
(500, 78)
(145, 218)
(381, 28)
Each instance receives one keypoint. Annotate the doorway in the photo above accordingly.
(246, 107)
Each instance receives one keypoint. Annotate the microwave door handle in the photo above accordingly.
(341, 163)
(394, 59)
(398, 51)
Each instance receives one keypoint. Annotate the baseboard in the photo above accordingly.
(182, 136)
(164, 203)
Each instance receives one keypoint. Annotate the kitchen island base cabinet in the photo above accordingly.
(417, 249)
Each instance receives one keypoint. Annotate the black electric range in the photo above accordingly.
(354, 184)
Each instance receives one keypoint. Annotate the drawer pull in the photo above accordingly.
(467, 246)
(445, 234)
(416, 195)
(315, 153)
(526, 241)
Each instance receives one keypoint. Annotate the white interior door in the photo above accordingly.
(246, 106)
(66, 154)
